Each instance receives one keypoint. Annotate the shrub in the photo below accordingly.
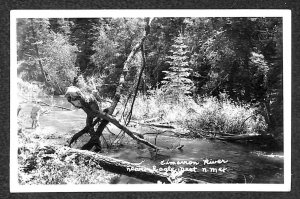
(38, 168)
(60, 58)
(30, 90)
(224, 116)
(208, 115)
(157, 106)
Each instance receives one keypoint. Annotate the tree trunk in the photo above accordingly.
(115, 165)
(127, 121)
(37, 53)
(244, 137)
(106, 118)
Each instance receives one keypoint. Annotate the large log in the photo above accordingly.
(244, 137)
(120, 87)
(78, 99)
(132, 134)
(155, 125)
(116, 166)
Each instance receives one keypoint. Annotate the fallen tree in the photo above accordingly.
(114, 165)
(89, 104)
(154, 124)
(244, 137)
(132, 134)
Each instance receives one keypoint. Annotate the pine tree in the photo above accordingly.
(176, 82)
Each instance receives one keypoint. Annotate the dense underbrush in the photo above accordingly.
(37, 167)
(30, 90)
(204, 115)
(200, 117)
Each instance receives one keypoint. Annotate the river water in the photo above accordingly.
(213, 161)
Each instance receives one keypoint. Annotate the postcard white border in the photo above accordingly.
(285, 14)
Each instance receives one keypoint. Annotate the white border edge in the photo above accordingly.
(285, 14)
(287, 97)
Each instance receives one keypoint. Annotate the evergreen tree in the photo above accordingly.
(177, 83)
(82, 34)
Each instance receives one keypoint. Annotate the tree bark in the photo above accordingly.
(115, 165)
(108, 118)
(117, 96)
(127, 121)
(37, 53)
(155, 125)
(244, 137)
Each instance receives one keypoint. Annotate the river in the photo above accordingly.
(213, 161)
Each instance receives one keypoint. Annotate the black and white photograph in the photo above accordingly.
(150, 100)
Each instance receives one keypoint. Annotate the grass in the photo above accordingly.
(207, 115)
(225, 116)
(36, 168)
(30, 91)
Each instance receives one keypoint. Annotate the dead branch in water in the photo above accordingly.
(106, 118)
(155, 125)
(116, 166)
(132, 134)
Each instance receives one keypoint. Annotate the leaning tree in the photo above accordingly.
(95, 115)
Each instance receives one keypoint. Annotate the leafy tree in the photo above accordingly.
(114, 40)
(239, 56)
(30, 35)
(46, 54)
(60, 58)
(242, 57)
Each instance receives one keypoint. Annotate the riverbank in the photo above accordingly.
(201, 117)
(36, 169)
(246, 164)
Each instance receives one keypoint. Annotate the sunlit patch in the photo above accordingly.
(73, 95)
(73, 92)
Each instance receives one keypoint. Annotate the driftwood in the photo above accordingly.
(154, 119)
(132, 134)
(117, 166)
(89, 105)
(244, 137)
(155, 125)
(233, 137)
(105, 116)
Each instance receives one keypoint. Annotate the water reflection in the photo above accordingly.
(245, 164)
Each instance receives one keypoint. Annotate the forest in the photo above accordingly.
(215, 79)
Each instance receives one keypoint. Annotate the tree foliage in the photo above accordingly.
(176, 82)
(44, 55)
(241, 57)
